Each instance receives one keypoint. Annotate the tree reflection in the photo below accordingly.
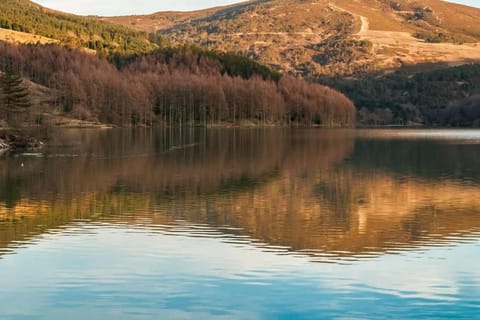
(311, 191)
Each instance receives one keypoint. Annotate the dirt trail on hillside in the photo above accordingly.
(365, 25)
(394, 48)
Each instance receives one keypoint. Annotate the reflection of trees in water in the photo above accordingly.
(284, 188)
(163, 166)
(198, 162)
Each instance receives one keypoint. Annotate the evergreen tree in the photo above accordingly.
(14, 95)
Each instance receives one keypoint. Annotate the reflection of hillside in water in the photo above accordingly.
(289, 189)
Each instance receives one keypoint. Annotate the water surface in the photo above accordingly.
(242, 224)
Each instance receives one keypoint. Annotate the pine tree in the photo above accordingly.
(14, 95)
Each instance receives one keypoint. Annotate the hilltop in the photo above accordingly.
(325, 37)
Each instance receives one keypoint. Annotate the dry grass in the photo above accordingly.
(393, 49)
(399, 48)
(24, 38)
(28, 38)
(446, 16)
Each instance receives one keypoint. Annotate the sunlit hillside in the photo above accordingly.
(323, 37)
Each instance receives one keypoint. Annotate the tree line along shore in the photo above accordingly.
(167, 87)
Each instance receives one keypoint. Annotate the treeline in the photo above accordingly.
(71, 30)
(186, 89)
(444, 97)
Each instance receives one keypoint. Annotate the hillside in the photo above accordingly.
(325, 37)
(25, 22)
(352, 46)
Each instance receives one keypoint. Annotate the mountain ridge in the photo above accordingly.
(308, 38)
(324, 37)
(216, 9)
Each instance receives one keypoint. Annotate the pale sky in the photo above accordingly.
(126, 7)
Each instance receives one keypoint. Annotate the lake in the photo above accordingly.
(242, 224)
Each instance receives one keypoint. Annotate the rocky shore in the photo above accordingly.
(13, 141)
(4, 145)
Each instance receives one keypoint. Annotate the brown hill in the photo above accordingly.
(324, 37)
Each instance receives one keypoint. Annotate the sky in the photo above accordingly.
(127, 7)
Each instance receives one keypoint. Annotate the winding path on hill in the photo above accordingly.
(365, 25)
(392, 48)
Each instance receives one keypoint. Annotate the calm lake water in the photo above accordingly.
(242, 224)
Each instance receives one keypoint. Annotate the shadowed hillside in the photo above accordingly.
(444, 97)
